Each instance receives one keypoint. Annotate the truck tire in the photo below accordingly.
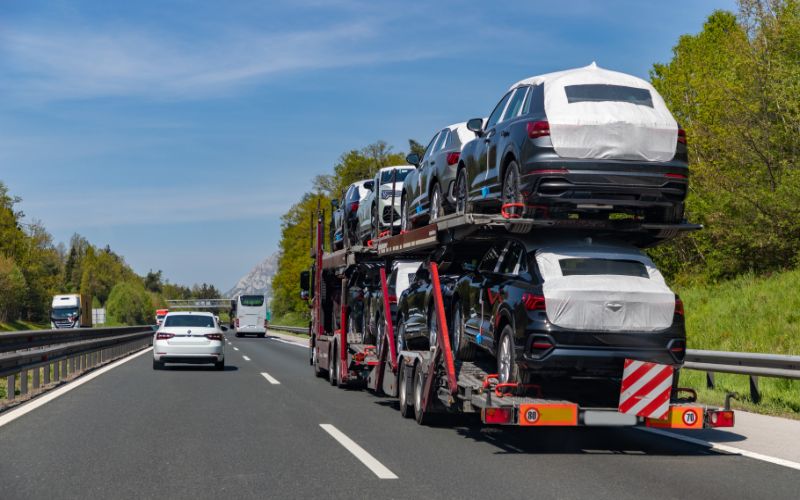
(332, 366)
(420, 415)
(318, 372)
(402, 393)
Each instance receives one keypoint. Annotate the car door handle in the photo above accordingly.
(433, 163)
(504, 133)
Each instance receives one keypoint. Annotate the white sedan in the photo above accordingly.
(189, 337)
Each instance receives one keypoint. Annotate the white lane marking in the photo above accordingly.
(51, 395)
(360, 453)
(725, 448)
(272, 380)
(235, 348)
(246, 358)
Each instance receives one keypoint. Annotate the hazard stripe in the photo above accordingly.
(628, 379)
(659, 376)
(659, 407)
(636, 388)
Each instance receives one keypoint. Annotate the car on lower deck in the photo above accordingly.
(397, 281)
(189, 338)
(586, 142)
(428, 190)
(575, 308)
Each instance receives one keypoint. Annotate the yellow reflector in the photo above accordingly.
(554, 414)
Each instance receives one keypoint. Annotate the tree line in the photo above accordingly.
(734, 88)
(33, 269)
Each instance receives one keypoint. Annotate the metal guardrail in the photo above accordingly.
(34, 360)
(753, 365)
(292, 329)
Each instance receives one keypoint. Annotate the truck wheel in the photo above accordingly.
(462, 347)
(332, 366)
(420, 415)
(315, 363)
(507, 368)
(402, 393)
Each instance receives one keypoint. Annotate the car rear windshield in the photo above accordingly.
(386, 177)
(596, 92)
(252, 300)
(196, 321)
(595, 267)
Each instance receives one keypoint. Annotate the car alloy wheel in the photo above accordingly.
(436, 202)
(433, 328)
(405, 219)
(461, 191)
(504, 359)
(400, 336)
(376, 227)
(511, 189)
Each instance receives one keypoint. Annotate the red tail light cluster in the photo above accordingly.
(214, 336)
(498, 415)
(533, 302)
(164, 336)
(678, 306)
(674, 176)
(354, 207)
(538, 129)
(452, 158)
(721, 418)
(681, 136)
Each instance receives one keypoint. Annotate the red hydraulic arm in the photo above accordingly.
(343, 368)
(387, 315)
(444, 336)
(318, 279)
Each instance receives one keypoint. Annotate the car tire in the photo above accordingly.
(376, 227)
(219, 365)
(433, 326)
(333, 363)
(512, 192)
(158, 365)
(437, 207)
(507, 368)
(463, 347)
(402, 393)
(380, 330)
(461, 193)
(400, 335)
(405, 215)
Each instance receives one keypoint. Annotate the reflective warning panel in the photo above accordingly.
(679, 417)
(646, 388)
(565, 414)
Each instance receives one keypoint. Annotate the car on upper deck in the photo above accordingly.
(428, 190)
(344, 217)
(574, 307)
(380, 210)
(586, 142)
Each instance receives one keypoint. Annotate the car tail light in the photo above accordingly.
(538, 129)
(164, 336)
(533, 302)
(541, 345)
(681, 136)
(721, 418)
(550, 171)
(214, 336)
(498, 415)
(452, 158)
(674, 176)
(678, 306)
(678, 347)
(354, 206)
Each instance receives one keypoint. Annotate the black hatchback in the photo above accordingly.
(584, 143)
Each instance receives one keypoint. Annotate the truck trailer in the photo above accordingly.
(431, 384)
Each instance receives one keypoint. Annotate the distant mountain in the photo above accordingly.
(258, 280)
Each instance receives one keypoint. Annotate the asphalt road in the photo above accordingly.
(191, 432)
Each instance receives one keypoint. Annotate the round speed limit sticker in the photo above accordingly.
(689, 417)
(532, 415)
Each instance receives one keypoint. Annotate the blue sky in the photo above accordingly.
(178, 132)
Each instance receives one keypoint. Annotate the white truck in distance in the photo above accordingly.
(249, 313)
(71, 311)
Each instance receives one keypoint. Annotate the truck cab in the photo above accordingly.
(71, 311)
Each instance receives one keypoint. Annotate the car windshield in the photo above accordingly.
(252, 300)
(386, 177)
(594, 266)
(64, 312)
(197, 321)
(603, 93)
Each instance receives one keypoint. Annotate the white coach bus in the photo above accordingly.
(249, 314)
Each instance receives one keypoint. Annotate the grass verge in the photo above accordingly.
(18, 325)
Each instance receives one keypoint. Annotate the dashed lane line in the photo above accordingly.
(272, 380)
(245, 358)
(360, 453)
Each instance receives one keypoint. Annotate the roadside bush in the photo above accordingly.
(129, 304)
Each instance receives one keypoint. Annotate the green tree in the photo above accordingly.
(12, 289)
(129, 304)
(416, 147)
(152, 281)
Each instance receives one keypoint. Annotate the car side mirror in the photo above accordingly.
(335, 203)
(475, 125)
(369, 185)
(413, 159)
(305, 281)
(223, 328)
(304, 295)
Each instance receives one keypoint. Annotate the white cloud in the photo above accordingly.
(64, 63)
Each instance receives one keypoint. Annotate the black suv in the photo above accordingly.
(513, 163)
(575, 308)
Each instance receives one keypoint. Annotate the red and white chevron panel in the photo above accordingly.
(646, 389)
